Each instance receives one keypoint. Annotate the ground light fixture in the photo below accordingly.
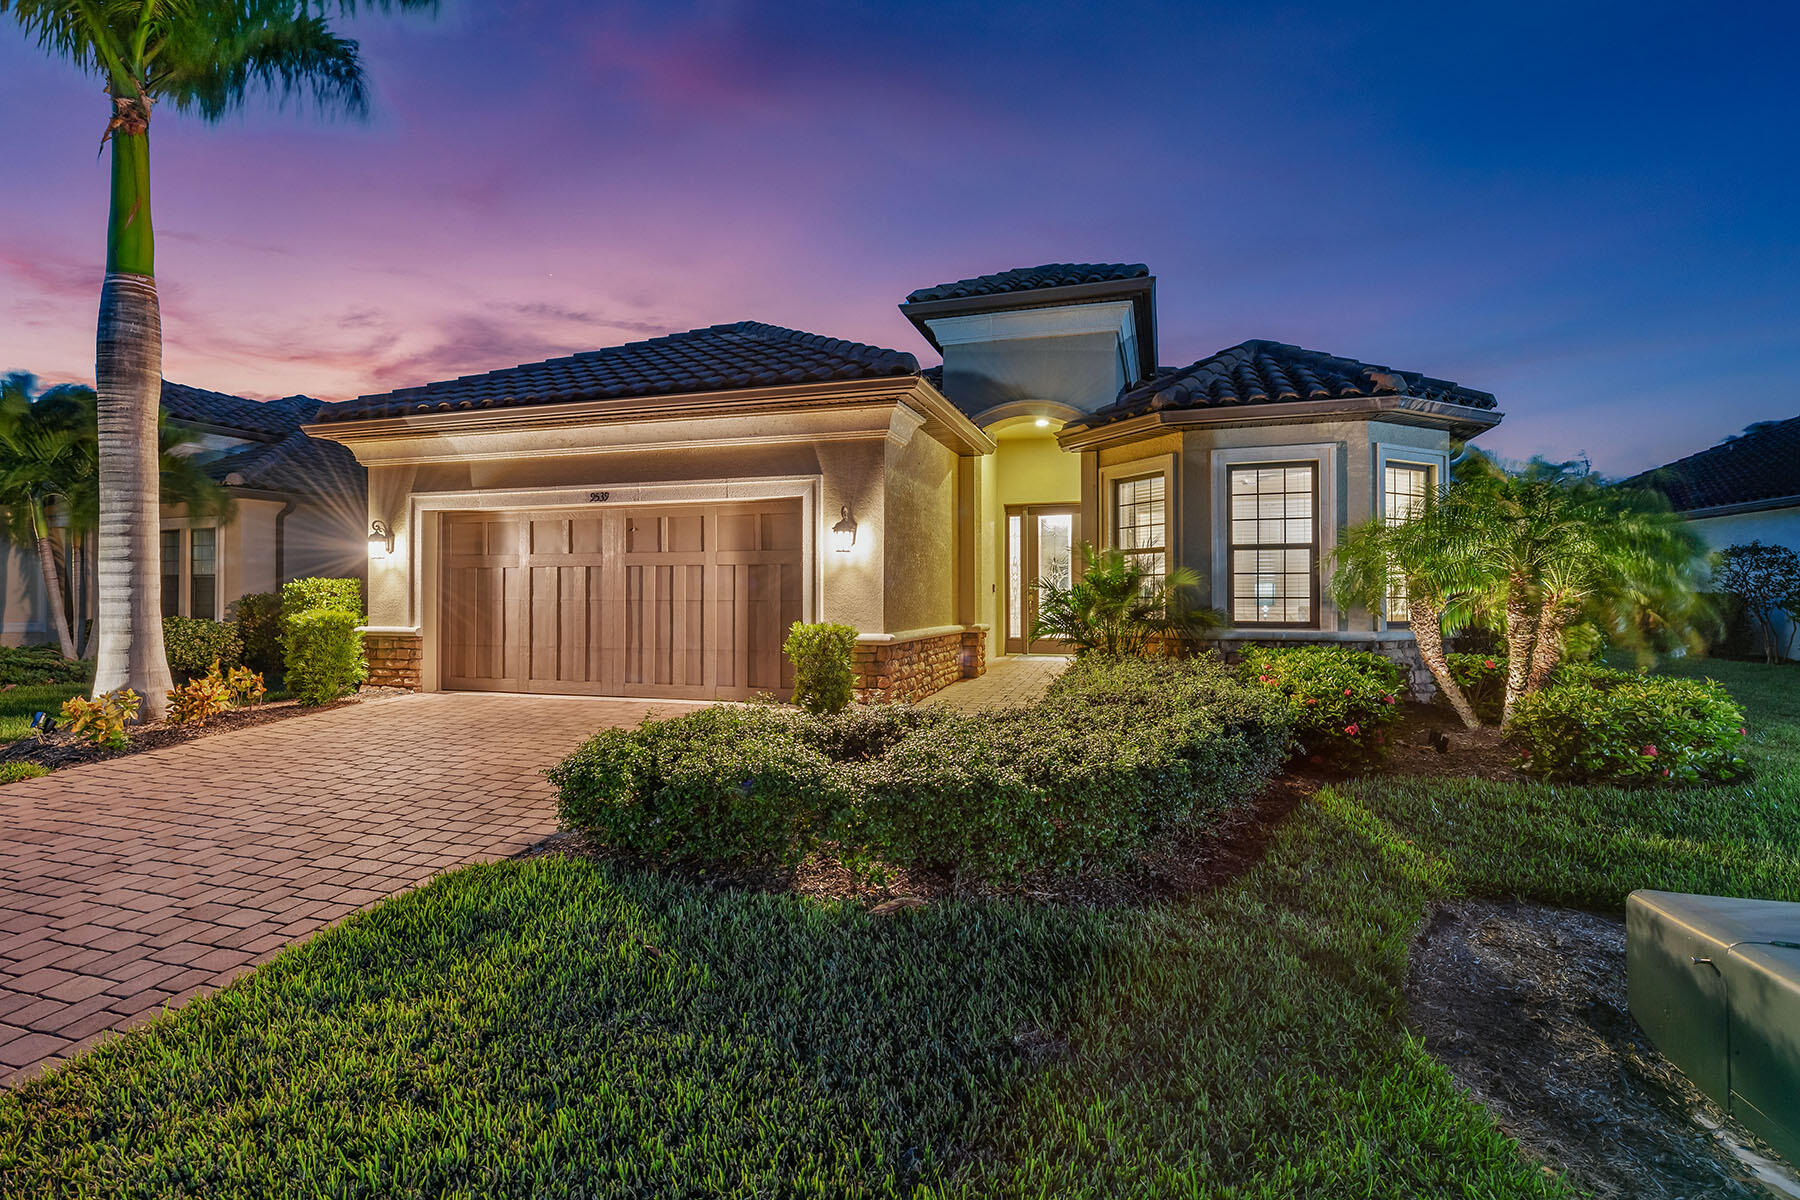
(843, 534)
(383, 534)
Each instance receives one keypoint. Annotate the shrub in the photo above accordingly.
(308, 595)
(1116, 753)
(195, 644)
(258, 617)
(195, 701)
(1340, 701)
(324, 654)
(245, 687)
(102, 720)
(1482, 678)
(824, 680)
(1608, 726)
(31, 665)
(1117, 608)
(13, 772)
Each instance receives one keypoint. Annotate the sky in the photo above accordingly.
(1591, 210)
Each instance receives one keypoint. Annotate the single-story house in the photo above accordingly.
(648, 519)
(299, 509)
(1745, 489)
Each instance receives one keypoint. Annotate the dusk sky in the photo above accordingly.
(1591, 210)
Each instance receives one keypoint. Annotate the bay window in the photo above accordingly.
(1274, 544)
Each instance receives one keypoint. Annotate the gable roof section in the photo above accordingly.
(252, 418)
(1030, 279)
(1264, 372)
(298, 463)
(746, 354)
(1760, 464)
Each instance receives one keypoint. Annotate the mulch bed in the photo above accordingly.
(61, 748)
(1526, 1006)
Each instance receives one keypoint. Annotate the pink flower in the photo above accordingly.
(1743, 732)
(1264, 678)
(1650, 751)
(1352, 730)
(1311, 701)
(1488, 663)
(1380, 740)
(1346, 691)
(1387, 699)
(1666, 772)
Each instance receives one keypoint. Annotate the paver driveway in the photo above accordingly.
(132, 884)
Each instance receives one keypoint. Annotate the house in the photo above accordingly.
(1745, 489)
(299, 509)
(649, 518)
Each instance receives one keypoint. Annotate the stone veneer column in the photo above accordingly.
(394, 658)
(910, 670)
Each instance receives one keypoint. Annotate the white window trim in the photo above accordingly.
(1141, 468)
(184, 590)
(1325, 456)
(1395, 454)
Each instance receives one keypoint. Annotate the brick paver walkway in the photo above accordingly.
(129, 885)
(1019, 679)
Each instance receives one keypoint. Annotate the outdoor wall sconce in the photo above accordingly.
(843, 534)
(379, 532)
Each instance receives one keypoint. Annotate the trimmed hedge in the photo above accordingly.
(824, 665)
(324, 653)
(1606, 726)
(258, 617)
(194, 644)
(33, 665)
(1115, 754)
(306, 595)
(1340, 701)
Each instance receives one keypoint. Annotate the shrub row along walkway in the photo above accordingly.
(129, 885)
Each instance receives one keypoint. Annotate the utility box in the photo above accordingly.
(1715, 982)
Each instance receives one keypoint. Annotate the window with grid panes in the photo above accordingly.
(1140, 529)
(1274, 544)
(1403, 493)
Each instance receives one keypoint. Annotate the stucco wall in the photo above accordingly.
(24, 615)
(1775, 526)
(1081, 370)
(920, 535)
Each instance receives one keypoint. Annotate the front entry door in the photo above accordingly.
(1041, 540)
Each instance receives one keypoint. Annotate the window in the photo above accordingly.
(1015, 576)
(1139, 526)
(203, 574)
(171, 572)
(1274, 544)
(1404, 490)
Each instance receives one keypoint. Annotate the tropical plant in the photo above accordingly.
(46, 456)
(824, 671)
(102, 719)
(199, 699)
(204, 57)
(245, 687)
(1118, 609)
(1766, 579)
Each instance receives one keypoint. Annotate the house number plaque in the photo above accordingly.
(599, 497)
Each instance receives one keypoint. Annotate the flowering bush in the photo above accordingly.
(1611, 727)
(1482, 677)
(1117, 751)
(1340, 701)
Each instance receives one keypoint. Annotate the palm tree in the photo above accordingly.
(1432, 560)
(1118, 608)
(206, 57)
(46, 458)
(49, 476)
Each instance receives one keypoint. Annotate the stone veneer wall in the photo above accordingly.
(909, 671)
(1403, 651)
(394, 659)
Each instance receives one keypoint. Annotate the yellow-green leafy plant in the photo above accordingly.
(197, 700)
(824, 671)
(102, 720)
(245, 687)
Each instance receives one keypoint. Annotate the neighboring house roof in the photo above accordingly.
(1758, 465)
(253, 418)
(298, 463)
(745, 354)
(1264, 372)
(1030, 279)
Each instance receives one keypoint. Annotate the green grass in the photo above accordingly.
(17, 705)
(565, 1028)
(13, 772)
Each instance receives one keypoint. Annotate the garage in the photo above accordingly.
(685, 601)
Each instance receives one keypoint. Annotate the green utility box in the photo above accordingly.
(1715, 982)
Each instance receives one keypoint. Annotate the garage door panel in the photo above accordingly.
(681, 601)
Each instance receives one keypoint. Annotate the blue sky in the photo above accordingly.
(1592, 210)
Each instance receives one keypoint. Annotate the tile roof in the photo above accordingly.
(256, 418)
(719, 358)
(298, 463)
(1761, 463)
(1029, 279)
(1264, 372)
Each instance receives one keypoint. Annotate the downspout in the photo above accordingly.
(281, 542)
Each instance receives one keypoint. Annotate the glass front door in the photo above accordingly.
(1040, 549)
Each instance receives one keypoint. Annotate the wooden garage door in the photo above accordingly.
(689, 600)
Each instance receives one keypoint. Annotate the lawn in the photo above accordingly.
(17, 705)
(560, 1027)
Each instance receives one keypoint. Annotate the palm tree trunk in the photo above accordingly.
(1549, 649)
(1428, 633)
(46, 551)
(78, 589)
(128, 372)
(1521, 636)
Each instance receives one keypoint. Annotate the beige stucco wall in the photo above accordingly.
(24, 614)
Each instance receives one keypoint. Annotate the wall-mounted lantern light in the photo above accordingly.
(1043, 422)
(380, 534)
(843, 534)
